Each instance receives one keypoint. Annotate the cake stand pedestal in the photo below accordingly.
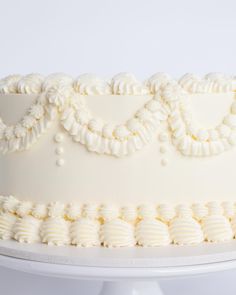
(134, 271)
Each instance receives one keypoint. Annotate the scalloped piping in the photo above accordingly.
(169, 102)
(111, 226)
(120, 84)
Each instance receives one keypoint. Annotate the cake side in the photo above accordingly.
(140, 135)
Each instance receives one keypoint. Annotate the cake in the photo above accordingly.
(119, 162)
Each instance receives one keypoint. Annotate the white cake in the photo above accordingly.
(92, 162)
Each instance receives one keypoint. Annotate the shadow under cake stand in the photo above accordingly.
(126, 271)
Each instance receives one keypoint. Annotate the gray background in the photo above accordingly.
(107, 37)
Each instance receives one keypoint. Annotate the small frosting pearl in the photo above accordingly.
(164, 162)
(58, 137)
(59, 150)
(60, 162)
(163, 149)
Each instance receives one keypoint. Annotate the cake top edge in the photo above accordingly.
(120, 84)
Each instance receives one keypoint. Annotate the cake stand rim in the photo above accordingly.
(169, 256)
(112, 274)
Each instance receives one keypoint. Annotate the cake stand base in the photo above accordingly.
(131, 288)
(135, 271)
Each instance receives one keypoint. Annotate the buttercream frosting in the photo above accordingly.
(151, 233)
(9, 84)
(213, 82)
(88, 225)
(117, 233)
(164, 113)
(85, 232)
(55, 231)
(27, 229)
(57, 80)
(127, 84)
(7, 221)
(73, 211)
(89, 84)
(186, 231)
(169, 102)
(217, 228)
(30, 84)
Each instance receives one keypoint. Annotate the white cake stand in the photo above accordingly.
(122, 271)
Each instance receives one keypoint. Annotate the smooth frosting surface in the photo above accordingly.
(133, 178)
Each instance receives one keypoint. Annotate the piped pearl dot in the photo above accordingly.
(58, 137)
(164, 162)
(163, 149)
(60, 162)
(163, 137)
(59, 150)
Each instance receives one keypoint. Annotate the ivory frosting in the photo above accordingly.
(169, 103)
(97, 162)
(85, 225)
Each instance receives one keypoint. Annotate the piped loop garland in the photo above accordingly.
(168, 104)
(107, 138)
(193, 140)
(25, 133)
(35, 122)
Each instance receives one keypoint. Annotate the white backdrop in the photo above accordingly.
(106, 37)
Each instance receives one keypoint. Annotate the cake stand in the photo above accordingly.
(128, 271)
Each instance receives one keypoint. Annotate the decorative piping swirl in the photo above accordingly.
(10, 204)
(109, 212)
(24, 134)
(117, 233)
(9, 84)
(147, 211)
(85, 233)
(213, 82)
(40, 211)
(157, 82)
(89, 84)
(127, 84)
(27, 230)
(229, 209)
(90, 211)
(217, 228)
(30, 84)
(121, 84)
(199, 211)
(118, 141)
(166, 212)
(55, 231)
(110, 226)
(168, 104)
(7, 221)
(152, 233)
(186, 231)
(56, 209)
(129, 213)
(24, 209)
(73, 211)
(57, 80)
